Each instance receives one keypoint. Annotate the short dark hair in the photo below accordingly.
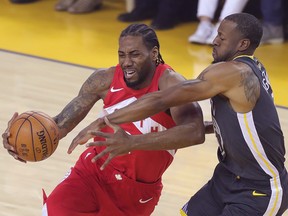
(249, 26)
(148, 35)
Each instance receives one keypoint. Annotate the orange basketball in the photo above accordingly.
(34, 135)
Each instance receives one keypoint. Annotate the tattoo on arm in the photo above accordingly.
(251, 86)
(95, 82)
(78, 108)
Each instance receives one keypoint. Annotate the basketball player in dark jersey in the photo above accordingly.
(131, 184)
(250, 178)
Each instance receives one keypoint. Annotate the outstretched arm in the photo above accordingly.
(224, 78)
(150, 104)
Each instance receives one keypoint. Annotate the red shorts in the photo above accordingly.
(89, 191)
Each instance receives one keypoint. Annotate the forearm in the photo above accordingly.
(156, 102)
(65, 124)
(145, 106)
(70, 117)
(173, 138)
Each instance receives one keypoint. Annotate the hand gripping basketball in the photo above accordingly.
(33, 135)
(5, 137)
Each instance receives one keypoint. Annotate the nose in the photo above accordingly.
(127, 61)
(215, 41)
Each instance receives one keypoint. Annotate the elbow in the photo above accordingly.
(196, 139)
(201, 138)
(200, 134)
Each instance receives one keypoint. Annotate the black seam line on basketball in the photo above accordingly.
(44, 116)
(51, 143)
(47, 117)
(33, 144)
(30, 114)
(16, 138)
(52, 121)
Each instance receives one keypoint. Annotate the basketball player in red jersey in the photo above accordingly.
(130, 184)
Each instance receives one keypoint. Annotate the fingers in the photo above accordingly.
(90, 134)
(16, 157)
(98, 156)
(6, 144)
(101, 154)
(107, 161)
(96, 143)
(85, 135)
(115, 127)
(11, 150)
(100, 134)
(7, 134)
(74, 144)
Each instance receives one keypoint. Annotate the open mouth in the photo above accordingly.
(129, 73)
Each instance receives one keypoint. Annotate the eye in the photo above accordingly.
(121, 55)
(134, 55)
(220, 36)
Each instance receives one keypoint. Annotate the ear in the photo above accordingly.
(155, 53)
(244, 44)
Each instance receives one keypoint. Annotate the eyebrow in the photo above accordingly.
(133, 51)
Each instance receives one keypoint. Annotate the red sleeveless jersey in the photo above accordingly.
(144, 166)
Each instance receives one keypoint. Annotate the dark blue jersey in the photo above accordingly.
(251, 144)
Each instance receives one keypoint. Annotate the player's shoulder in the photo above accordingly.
(221, 65)
(99, 81)
(170, 78)
(227, 67)
(170, 73)
(104, 71)
(103, 74)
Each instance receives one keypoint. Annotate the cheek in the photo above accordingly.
(121, 60)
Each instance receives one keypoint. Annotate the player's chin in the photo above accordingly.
(131, 82)
(130, 77)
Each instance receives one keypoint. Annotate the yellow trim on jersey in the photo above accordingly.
(182, 213)
(249, 56)
(252, 139)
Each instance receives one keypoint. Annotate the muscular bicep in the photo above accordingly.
(214, 80)
(234, 80)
